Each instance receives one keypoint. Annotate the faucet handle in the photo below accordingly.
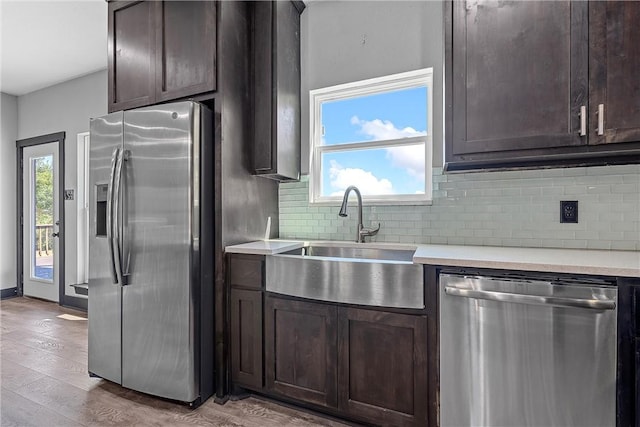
(370, 231)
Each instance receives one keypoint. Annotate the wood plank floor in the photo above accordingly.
(44, 382)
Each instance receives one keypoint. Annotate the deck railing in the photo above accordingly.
(44, 239)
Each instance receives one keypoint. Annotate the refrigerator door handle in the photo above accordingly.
(124, 240)
(115, 242)
(112, 175)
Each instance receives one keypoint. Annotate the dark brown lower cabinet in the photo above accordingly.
(246, 344)
(382, 367)
(300, 350)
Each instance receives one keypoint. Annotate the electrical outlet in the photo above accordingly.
(569, 211)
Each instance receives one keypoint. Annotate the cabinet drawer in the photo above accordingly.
(246, 271)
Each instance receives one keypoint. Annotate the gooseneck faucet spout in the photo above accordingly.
(361, 232)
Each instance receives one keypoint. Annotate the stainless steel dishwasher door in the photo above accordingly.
(526, 353)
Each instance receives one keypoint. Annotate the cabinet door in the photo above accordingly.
(263, 86)
(382, 366)
(185, 48)
(628, 381)
(614, 59)
(300, 350)
(275, 55)
(131, 61)
(246, 338)
(518, 77)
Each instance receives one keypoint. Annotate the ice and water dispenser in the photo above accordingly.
(101, 210)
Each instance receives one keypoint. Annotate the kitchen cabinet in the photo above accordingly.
(628, 396)
(524, 80)
(367, 364)
(245, 278)
(300, 350)
(275, 56)
(185, 34)
(131, 61)
(246, 328)
(382, 366)
(614, 68)
(160, 51)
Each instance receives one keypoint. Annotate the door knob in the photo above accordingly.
(56, 234)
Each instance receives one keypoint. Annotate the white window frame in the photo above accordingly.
(407, 80)
(82, 205)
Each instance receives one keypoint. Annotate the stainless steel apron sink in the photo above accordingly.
(351, 273)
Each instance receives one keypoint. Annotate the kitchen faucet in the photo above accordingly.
(361, 232)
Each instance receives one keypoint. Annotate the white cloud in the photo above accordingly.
(377, 129)
(367, 183)
(411, 157)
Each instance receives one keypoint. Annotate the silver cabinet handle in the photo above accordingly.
(116, 223)
(600, 119)
(594, 304)
(112, 176)
(583, 120)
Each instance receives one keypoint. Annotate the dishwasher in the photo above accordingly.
(527, 351)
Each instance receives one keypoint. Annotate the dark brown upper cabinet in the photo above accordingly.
(131, 47)
(275, 56)
(160, 51)
(524, 80)
(614, 61)
(185, 48)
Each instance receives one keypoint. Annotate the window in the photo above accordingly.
(82, 203)
(374, 134)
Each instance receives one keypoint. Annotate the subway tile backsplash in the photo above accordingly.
(509, 208)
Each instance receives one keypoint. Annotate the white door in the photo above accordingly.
(40, 218)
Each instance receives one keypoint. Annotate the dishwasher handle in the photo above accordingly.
(592, 304)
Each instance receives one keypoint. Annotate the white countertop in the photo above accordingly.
(577, 261)
(265, 247)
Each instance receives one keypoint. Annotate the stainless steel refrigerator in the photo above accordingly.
(151, 250)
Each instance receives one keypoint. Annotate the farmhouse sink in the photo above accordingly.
(351, 273)
(357, 252)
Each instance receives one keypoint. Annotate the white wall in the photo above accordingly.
(65, 107)
(8, 137)
(346, 41)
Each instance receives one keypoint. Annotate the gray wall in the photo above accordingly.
(346, 41)
(352, 40)
(8, 136)
(65, 107)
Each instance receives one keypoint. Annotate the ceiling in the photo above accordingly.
(47, 42)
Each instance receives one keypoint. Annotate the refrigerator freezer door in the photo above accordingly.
(159, 349)
(104, 311)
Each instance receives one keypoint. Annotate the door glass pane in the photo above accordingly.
(42, 202)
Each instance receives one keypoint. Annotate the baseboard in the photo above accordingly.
(8, 293)
(71, 301)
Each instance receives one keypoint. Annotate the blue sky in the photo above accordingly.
(384, 116)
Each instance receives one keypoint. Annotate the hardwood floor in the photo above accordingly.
(44, 382)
